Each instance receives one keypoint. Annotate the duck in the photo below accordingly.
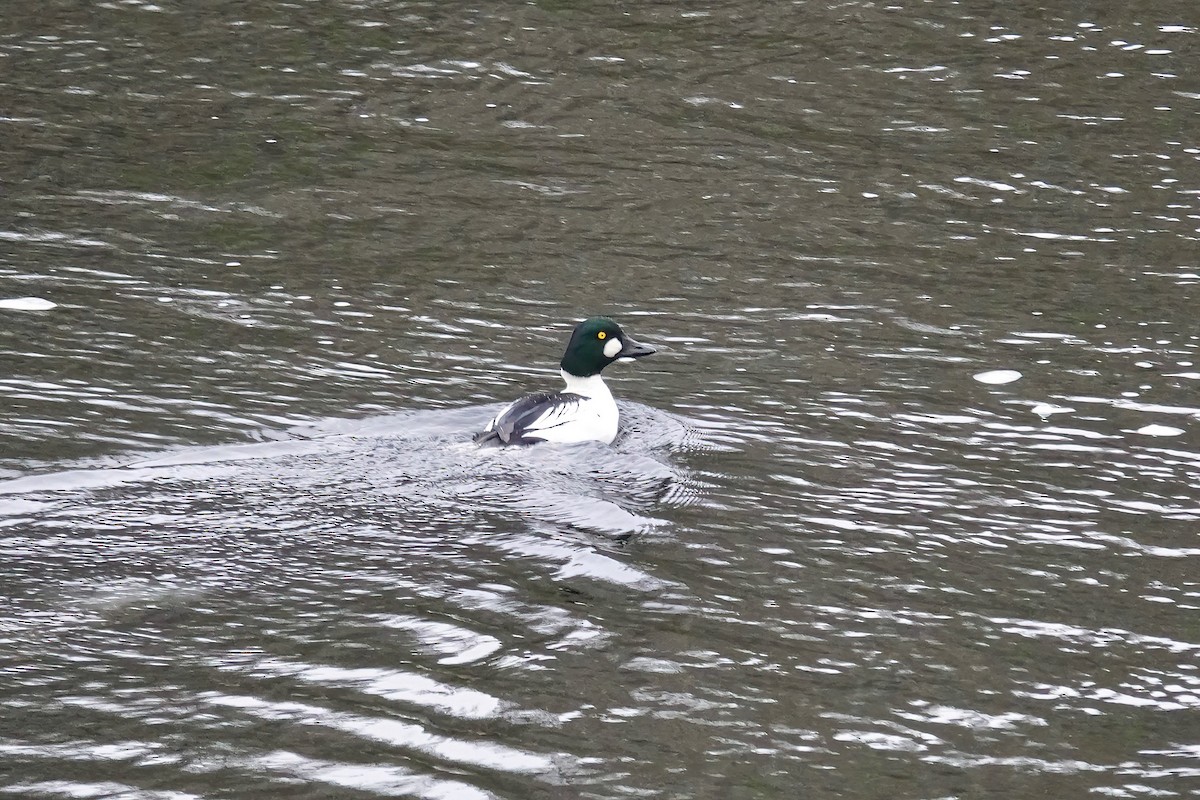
(584, 411)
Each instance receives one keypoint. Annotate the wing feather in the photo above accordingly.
(524, 418)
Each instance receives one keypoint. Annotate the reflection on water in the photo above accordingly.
(906, 505)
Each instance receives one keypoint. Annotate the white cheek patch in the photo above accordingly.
(612, 347)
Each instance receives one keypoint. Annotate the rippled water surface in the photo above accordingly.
(905, 506)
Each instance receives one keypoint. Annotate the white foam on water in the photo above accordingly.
(1159, 430)
(997, 377)
(26, 304)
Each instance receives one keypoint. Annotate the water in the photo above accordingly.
(904, 506)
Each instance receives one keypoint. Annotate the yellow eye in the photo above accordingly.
(601, 335)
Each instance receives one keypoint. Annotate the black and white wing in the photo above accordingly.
(525, 419)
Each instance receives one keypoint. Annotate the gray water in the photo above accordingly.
(905, 507)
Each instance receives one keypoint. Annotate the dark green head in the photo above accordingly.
(596, 343)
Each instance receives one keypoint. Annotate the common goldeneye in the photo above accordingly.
(585, 410)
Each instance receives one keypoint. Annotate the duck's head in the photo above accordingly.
(596, 343)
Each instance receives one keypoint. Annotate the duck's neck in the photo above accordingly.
(592, 386)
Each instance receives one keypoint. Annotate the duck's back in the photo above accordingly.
(552, 417)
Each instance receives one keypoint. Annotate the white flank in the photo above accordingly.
(593, 419)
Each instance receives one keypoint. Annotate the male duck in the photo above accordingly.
(585, 410)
